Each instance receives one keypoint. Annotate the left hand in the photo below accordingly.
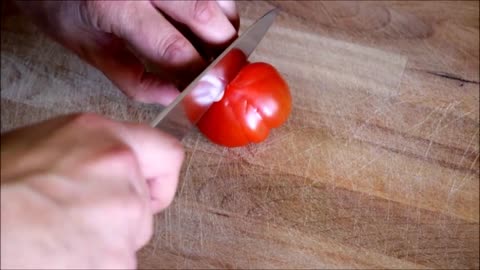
(80, 191)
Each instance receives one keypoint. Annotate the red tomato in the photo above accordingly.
(257, 100)
(216, 80)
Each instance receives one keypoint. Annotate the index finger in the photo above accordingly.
(205, 18)
(160, 158)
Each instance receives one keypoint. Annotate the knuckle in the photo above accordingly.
(87, 119)
(203, 11)
(172, 47)
(105, 15)
(85, 13)
(174, 144)
(93, 11)
(94, 123)
(114, 157)
(177, 152)
(119, 154)
(117, 168)
(132, 93)
(96, 5)
(171, 145)
(138, 92)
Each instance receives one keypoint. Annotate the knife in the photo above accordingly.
(179, 117)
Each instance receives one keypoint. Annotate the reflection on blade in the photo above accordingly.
(187, 109)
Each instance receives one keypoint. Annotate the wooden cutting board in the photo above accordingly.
(377, 167)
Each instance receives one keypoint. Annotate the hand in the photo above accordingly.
(79, 191)
(121, 37)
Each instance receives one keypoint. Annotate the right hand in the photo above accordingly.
(80, 191)
(118, 36)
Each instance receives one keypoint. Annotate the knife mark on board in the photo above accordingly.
(451, 76)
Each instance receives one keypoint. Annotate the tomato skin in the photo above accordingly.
(257, 100)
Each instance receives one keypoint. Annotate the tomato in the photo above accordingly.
(210, 85)
(256, 100)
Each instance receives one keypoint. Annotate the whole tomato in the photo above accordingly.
(255, 101)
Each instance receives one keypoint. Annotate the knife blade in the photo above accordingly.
(179, 117)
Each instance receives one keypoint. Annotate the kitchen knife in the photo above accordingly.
(179, 117)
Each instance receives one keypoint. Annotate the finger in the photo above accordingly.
(205, 18)
(129, 74)
(160, 158)
(229, 8)
(113, 174)
(150, 34)
(110, 167)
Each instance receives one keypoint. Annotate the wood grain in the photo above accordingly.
(377, 167)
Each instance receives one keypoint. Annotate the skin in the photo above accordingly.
(80, 191)
(72, 202)
(111, 36)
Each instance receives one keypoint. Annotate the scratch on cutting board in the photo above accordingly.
(309, 163)
(201, 232)
(462, 182)
(420, 233)
(417, 125)
(468, 113)
(313, 147)
(366, 165)
(219, 162)
(435, 51)
(437, 127)
(454, 189)
(292, 156)
(373, 115)
(268, 187)
(187, 170)
(451, 76)
(331, 172)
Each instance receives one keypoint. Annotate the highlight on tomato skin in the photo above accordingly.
(255, 101)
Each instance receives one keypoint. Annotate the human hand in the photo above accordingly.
(79, 191)
(121, 37)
